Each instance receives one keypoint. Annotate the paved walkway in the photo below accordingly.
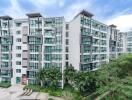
(14, 92)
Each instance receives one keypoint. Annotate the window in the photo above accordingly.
(5, 64)
(58, 48)
(47, 57)
(67, 34)
(67, 49)
(48, 49)
(5, 57)
(34, 65)
(5, 48)
(49, 41)
(57, 57)
(85, 21)
(35, 57)
(85, 58)
(66, 63)
(67, 26)
(67, 57)
(47, 65)
(18, 62)
(18, 70)
(18, 40)
(18, 24)
(35, 48)
(18, 47)
(67, 42)
(18, 32)
(18, 55)
(34, 40)
(32, 74)
(85, 31)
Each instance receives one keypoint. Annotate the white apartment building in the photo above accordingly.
(88, 42)
(26, 45)
(116, 42)
(128, 42)
(30, 44)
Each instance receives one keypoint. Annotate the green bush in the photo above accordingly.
(35, 88)
(5, 85)
(56, 93)
(50, 99)
(71, 93)
(49, 90)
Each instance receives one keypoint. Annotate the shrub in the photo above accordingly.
(50, 99)
(35, 88)
(49, 90)
(5, 85)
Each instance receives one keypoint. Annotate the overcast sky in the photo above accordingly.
(118, 12)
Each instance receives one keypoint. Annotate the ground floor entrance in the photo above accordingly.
(18, 80)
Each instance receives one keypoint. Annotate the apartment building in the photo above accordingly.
(26, 45)
(6, 45)
(88, 42)
(117, 42)
(128, 42)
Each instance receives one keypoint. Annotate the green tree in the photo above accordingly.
(114, 80)
(54, 76)
(41, 76)
(69, 74)
(85, 82)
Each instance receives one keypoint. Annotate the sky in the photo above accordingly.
(118, 12)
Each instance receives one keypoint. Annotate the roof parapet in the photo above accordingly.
(32, 15)
(112, 25)
(6, 17)
(86, 13)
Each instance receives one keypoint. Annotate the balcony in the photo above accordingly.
(5, 74)
(35, 40)
(5, 48)
(7, 40)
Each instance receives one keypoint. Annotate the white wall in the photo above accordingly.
(15, 51)
(74, 39)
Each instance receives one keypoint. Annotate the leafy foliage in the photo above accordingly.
(38, 88)
(49, 76)
(112, 81)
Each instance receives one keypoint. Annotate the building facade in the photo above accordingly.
(116, 42)
(26, 45)
(88, 42)
(128, 42)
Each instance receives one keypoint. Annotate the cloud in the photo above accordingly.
(14, 10)
(42, 3)
(102, 11)
(123, 22)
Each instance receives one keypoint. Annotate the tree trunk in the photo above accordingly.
(41, 83)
